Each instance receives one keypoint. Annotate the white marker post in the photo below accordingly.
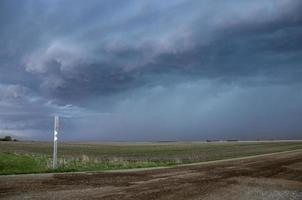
(55, 140)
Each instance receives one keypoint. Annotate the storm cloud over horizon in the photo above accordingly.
(151, 70)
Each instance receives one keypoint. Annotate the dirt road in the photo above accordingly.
(277, 177)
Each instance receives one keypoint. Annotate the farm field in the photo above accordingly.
(35, 157)
(271, 177)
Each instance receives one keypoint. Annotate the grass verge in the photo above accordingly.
(11, 163)
(35, 157)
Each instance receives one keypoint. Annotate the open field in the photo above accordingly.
(35, 157)
(271, 177)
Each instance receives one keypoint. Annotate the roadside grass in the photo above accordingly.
(80, 165)
(35, 157)
(11, 163)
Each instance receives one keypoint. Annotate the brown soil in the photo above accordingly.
(276, 177)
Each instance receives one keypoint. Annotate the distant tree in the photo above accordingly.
(7, 138)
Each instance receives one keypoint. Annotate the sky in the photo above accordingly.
(151, 70)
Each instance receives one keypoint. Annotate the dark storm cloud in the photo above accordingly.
(151, 66)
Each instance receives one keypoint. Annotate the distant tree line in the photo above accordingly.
(230, 140)
(8, 138)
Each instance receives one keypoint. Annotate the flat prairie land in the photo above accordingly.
(276, 176)
(35, 157)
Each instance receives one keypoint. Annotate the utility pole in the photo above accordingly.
(55, 141)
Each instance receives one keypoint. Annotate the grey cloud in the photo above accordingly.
(24, 114)
(79, 58)
(130, 44)
(12, 92)
(198, 110)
